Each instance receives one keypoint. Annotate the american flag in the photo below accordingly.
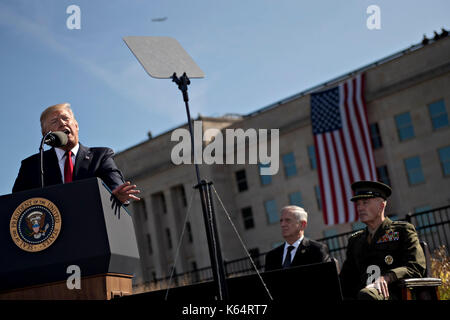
(343, 147)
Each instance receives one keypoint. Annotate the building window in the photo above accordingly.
(375, 136)
(271, 211)
(247, 217)
(265, 179)
(169, 238)
(178, 196)
(332, 242)
(289, 165)
(318, 197)
(383, 175)
(438, 114)
(425, 220)
(296, 199)
(149, 244)
(414, 170)
(182, 194)
(444, 157)
(312, 157)
(241, 180)
(140, 209)
(405, 127)
(163, 203)
(189, 232)
(159, 202)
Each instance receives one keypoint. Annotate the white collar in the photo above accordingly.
(295, 244)
(60, 153)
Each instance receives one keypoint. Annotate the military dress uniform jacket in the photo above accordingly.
(394, 248)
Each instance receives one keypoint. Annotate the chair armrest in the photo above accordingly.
(420, 282)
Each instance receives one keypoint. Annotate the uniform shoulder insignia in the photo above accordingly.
(355, 234)
(401, 223)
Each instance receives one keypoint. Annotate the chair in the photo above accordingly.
(421, 288)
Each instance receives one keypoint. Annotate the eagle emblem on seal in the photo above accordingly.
(35, 222)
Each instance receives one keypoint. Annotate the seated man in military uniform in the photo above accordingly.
(383, 253)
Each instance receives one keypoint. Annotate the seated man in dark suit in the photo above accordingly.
(72, 161)
(297, 250)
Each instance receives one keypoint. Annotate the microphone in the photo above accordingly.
(56, 139)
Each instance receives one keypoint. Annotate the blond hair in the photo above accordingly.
(50, 109)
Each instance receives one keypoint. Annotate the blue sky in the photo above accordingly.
(253, 52)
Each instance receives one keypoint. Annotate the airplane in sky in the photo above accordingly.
(159, 19)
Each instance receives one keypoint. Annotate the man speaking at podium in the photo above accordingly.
(72, 161)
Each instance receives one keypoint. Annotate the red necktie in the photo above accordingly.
(68, 167)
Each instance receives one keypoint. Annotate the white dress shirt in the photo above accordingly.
(296, 244)
(61, 154)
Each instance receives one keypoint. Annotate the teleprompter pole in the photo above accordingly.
(207, 205)
(216, 241)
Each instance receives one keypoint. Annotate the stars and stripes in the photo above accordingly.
(343, 147)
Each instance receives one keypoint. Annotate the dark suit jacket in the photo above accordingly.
(89, 162)
(308, 252)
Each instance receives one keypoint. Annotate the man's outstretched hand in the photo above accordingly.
(126, 192)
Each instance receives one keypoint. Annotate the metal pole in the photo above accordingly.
(207, 208)
(216, 244)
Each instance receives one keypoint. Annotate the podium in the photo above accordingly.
(313, 282)
(67, 241)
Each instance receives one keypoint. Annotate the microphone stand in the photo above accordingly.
(41, 157)
(207, 204)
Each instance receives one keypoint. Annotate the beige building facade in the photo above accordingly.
(408, 104)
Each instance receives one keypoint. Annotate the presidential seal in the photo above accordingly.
(35, 224)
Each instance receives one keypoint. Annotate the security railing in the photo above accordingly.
(433, 226)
